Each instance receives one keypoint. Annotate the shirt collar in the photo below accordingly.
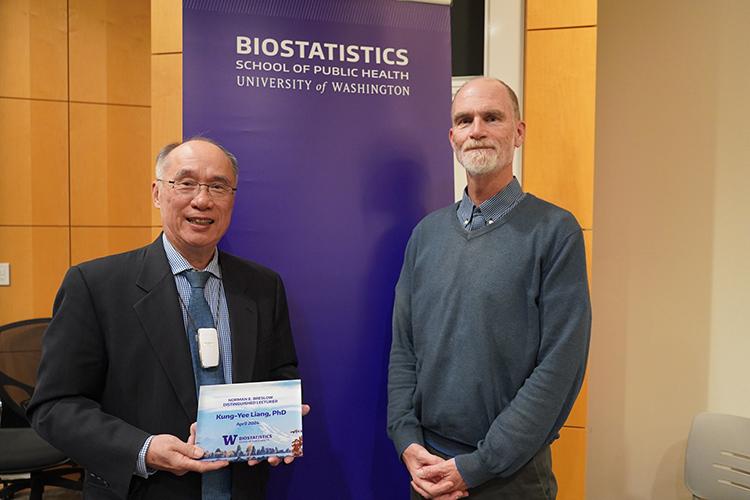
(494, 208)
(179, 264)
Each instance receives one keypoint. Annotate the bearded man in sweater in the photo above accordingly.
(491, 322)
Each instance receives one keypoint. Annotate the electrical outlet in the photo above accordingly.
(4, 273)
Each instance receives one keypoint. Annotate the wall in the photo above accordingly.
(503, 59)
(74, 141)
(671, 281)
(559, 88)
(166, 74)
(728, 383)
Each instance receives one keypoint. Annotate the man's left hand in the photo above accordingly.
(447, 481)
(274, 461)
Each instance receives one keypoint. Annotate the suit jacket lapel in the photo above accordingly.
(160, 315)
(243, 319)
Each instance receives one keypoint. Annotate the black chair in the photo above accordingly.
(26, 460)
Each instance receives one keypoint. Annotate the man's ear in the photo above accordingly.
(520, 134)
(155, 193)
(450, 138)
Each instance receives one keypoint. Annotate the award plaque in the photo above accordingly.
(252, 421)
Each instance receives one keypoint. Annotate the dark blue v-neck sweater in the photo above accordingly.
(490, 336)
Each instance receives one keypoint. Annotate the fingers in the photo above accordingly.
(272, 461)
(305, 409)
(189, 450)
(428, 459)
(195, 466)
(428, 490)
(168, 453)
(419, 490)
(431, 490)
(416, 456)
(439, 488)
(193, 432)
(435, 471)
(453, 495)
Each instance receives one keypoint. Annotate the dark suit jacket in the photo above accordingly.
(116, 367)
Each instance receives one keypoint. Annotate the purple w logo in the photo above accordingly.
(230, 439)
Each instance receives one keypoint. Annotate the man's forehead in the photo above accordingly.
(487, 90)
(481, 95)
(481, 106)
(194, 154)
(196, 149)
(482, 87)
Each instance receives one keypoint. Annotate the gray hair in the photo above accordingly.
(511, 94)
(161, 158)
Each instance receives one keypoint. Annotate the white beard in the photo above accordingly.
(479, 162)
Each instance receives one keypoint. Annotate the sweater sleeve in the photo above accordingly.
(403, 425)
(538, 410)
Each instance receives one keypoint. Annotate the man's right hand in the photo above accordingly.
(415, 457)
(168, 453)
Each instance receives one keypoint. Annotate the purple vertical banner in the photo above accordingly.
(338, 112)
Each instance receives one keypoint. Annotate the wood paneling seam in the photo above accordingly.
(563, 27)
(148, 106)
(40, 99)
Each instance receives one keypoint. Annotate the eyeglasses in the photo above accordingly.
(190, 187)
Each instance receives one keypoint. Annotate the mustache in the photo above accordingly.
(472, 144)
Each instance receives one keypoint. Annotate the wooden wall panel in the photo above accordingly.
(166, 26)
(109, 51)
(88, 243)
(559, 94)
(166, 95)
(33, 162)
(39, 257)
(98, 168)
(569, 464)
(33, 49)
(110, 173)
(166, 109)
(544, 14)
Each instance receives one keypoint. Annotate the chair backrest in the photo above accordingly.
(20, 351)
(717, 462)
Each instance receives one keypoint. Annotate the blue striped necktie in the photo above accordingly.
(215, 485)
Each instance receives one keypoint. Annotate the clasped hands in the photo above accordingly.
(169, 453)
(433, 476)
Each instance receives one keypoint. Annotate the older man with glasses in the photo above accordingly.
(120, 369)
